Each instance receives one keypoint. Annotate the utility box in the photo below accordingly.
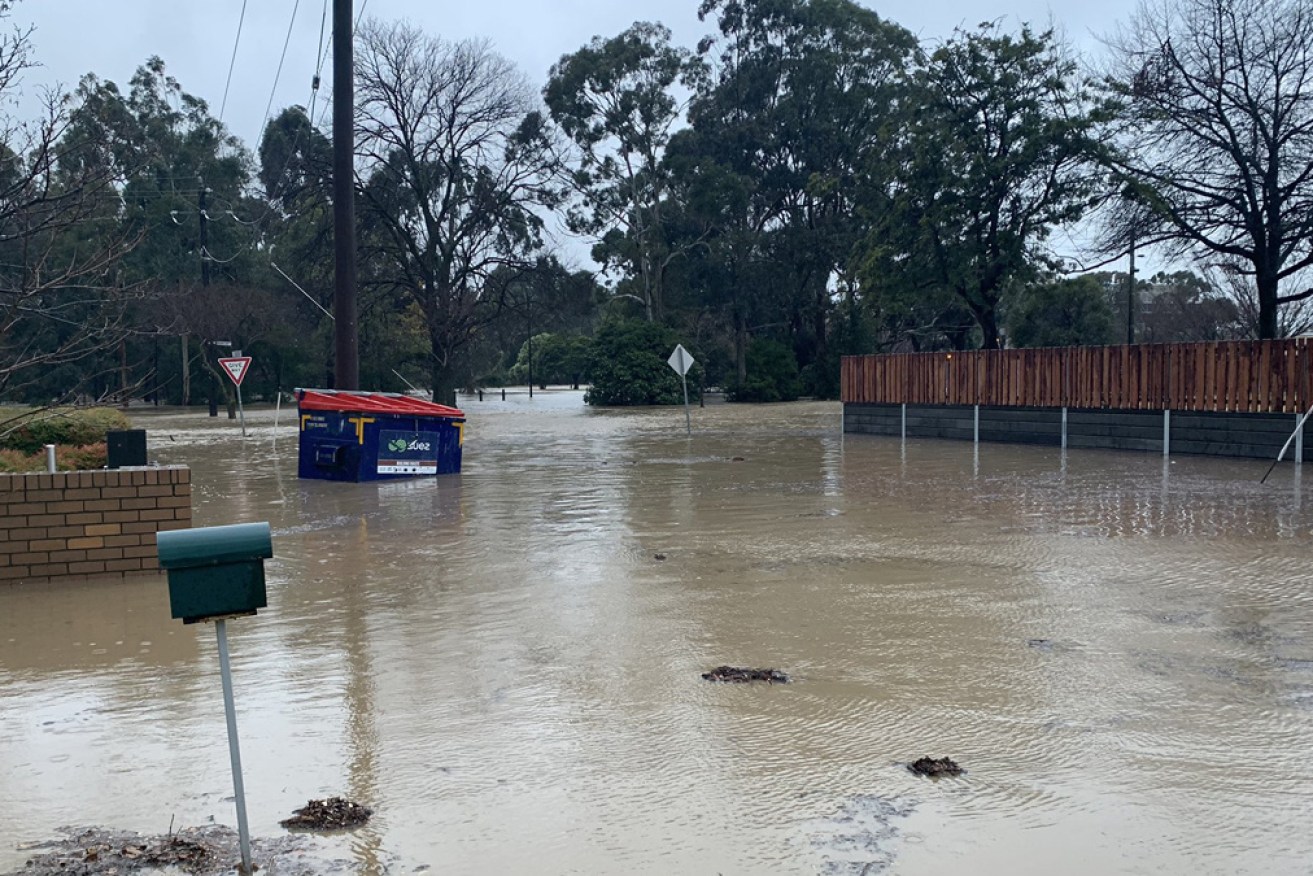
(125, 448)
(374, 436)
(217, 571)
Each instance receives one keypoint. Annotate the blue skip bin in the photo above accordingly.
(375, 436)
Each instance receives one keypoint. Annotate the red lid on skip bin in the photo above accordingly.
(372, 403)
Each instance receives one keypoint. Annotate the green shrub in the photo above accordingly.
(67, 458)
(65, 427)
(629, 367)
(772, 375)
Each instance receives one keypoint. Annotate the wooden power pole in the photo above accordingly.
(345, 336)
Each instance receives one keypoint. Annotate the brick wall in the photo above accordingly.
(88, 522)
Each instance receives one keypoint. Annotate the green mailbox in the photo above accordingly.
(217, 571)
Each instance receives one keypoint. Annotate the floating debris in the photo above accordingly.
(658, 556)
(929, 766)
(738, 675)
(196, 851)
(335, 813)
(738, 459)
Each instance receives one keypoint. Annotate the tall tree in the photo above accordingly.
(1217, 135)
(183, 186)
(616, 100)
(997, 148)
(458, 169)
(799, 94)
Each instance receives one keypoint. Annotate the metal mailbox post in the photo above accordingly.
(214, 574)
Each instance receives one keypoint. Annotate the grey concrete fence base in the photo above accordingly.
(1255, 436)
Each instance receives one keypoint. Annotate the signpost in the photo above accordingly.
(681, 360)
(235, 367)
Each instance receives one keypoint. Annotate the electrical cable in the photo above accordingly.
(310, 297)
(319, 68)
(283, 57)
(210, 257)
(323, 56)
(233, 62)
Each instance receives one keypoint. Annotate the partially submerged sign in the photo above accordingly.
(681, 360)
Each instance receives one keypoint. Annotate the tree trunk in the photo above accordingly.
(741, 346)
(443, 383)
(1268, 325)
(987, 319)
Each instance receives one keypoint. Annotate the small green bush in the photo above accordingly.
(63, 427)
(772, 375)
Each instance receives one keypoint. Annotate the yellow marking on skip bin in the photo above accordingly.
(360, 426)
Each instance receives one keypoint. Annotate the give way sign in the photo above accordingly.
(236, 367)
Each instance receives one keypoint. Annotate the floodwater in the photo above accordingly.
(1118, 648)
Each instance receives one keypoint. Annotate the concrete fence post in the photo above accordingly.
(977, 424)
(1167, 432)
(1299, 440)
(1064, 428)
(904, 421)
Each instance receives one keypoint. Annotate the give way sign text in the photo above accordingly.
(236, 367)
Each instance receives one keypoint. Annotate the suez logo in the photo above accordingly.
(401, 445)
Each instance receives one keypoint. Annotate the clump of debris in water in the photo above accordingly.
(929, 766)
(335, 813)
(197, 851)
(738, 675)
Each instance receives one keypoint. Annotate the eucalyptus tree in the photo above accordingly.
(458, 168)
(799, 97)
(183, 188)
(1217, 136)
(619, 100)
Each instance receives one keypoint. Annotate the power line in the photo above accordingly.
(270, 105)
(323, 56)
(233, 62)
(319, 68)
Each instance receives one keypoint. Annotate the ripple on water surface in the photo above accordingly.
(1115, 649)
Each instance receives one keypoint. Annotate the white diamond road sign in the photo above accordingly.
(236, 367)
(680, 360)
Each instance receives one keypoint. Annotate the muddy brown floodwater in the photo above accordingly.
(1118, 649)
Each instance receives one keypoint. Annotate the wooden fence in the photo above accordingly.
(1237, 376)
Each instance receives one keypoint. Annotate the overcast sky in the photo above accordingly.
(195, 37)
(111, 38)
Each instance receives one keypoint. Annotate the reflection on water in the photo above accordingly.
(1116, 647)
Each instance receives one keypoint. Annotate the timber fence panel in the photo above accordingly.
(1274, 376)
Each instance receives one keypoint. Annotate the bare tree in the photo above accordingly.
(458, 169)
(60, 243)
(1216, 138)
(1295, 318)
